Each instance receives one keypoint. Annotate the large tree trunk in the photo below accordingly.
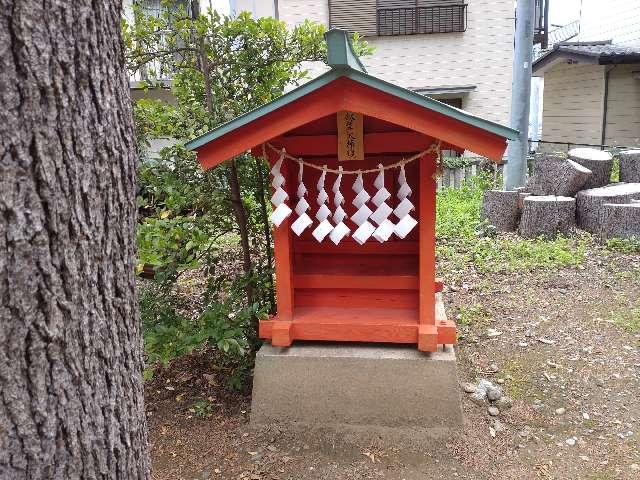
(71, 396)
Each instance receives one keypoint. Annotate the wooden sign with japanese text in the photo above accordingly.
(350, 136)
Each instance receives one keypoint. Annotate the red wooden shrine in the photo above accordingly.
(375, 292)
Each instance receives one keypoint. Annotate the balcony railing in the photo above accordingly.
(413, 20)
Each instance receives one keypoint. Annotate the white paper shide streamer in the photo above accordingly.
(325, 227)
(340, 230)
(303, 221)
(406, 222)
(381, 214)
(281, 209)
(361, 217)
(372, 216)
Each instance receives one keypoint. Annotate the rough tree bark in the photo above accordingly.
(548, 216)
(71, 396)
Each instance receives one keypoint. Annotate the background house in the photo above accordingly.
(591, 95)
(592, 84)
(456, 51)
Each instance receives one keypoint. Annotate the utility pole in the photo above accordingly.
(515, 170)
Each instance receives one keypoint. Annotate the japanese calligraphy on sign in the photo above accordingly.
(350, 136)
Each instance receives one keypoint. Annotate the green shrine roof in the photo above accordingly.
(345, 63)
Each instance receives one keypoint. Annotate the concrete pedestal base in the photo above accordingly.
(327, 385)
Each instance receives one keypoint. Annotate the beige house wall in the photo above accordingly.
(481, 56)
(623, 114)
(572, 105)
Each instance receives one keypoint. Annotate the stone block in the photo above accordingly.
(326, 385)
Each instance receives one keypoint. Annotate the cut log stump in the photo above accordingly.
(630, 166)
(598, 161)
(500, 209)
(548, 216)
(621, 220)
(590, 203)
(521, 196)
(556, 175)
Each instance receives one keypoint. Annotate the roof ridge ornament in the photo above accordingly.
(340, 53)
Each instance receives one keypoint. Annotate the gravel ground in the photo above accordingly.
(561, 344)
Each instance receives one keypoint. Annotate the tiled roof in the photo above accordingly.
(600, 49)
(602, 53)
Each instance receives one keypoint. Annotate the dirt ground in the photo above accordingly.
(562, 344)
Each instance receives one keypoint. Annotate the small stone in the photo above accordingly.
(493, 411)
(570, 441)
(479, 398)
(500, 381)
(526, 432)
(504, 403)
(523, 344)
(494, 393)
(561, 411)
(546, 341)
(468, 387)
(586, 416)
(538, 405)
(483, 386)
(634, 466)
(492, 333)
(493, 368)
(498, 426)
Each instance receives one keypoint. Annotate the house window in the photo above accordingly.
(398, 17)
(408, 17)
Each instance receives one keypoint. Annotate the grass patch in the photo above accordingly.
(463, 240)
(624, 245)
(517, 386)
(615, 169)
(628, 319)
(472, 315)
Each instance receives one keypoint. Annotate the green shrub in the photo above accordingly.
(225, 325)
